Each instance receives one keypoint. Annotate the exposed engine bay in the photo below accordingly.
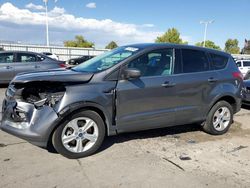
(43, 95)
(38, 93)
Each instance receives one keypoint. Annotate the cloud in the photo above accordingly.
(91, 5)
(34, 7)
(98, 31)
(57, 11)
(148, 25)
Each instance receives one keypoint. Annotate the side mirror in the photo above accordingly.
(132, 73)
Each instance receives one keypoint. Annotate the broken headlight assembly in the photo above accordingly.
(41, 97)
(42, 94)
(49, 99)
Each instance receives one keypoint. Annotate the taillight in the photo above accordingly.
(238, 75)
(62, 65)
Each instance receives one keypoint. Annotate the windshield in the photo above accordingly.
(106, 60)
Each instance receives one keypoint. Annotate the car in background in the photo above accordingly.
(79, 60)
(15, 62)
(244, 66)
(52, 56)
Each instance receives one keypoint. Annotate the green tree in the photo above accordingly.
(232, 46)
(171, 36)
(209, 44)
(78, 42)
(111, 45)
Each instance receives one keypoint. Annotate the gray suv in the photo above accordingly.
(14, 62)
(130, 88)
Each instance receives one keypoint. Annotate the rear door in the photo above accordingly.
(194, 84)
(147, 102)
(6, 67)
(26, 62)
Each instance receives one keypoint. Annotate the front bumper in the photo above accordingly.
(34, 125)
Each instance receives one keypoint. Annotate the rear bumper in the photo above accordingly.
(35, 127)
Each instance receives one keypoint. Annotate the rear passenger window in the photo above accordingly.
(194, 61)
(218, 61)
(26, 58)
(177, 64)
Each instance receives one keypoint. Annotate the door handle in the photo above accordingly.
(168, 84)
(8, 67)
(37, 66)
(212, 80)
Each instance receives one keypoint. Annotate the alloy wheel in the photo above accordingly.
(79, 135)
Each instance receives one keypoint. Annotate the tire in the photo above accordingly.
(71, 139)
(218, 123)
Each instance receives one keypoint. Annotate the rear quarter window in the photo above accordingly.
(218, 61)
(40, 58)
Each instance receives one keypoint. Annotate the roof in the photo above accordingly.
(171, 45)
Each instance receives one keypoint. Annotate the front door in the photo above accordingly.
(6, 67)
(147, 102)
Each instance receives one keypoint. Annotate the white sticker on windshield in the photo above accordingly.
(131, 49)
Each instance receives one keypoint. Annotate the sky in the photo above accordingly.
(124, 21)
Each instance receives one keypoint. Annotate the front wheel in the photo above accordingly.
(80, 135)
(219, 118)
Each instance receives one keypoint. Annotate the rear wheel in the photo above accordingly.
(219, 118)
(80, 135)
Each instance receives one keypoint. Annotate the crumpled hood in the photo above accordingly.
(60, 75)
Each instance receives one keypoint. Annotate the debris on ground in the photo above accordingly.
(176, 136)
(178, 166)
(2, 145)
(191, 142)
(237, 149)
(184, 157)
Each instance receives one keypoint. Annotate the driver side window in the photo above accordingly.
(114, 59)
(155, 63)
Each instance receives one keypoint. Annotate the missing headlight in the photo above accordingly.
(43, 94)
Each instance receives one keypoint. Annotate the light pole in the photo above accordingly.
(205, 33)
(47, 21)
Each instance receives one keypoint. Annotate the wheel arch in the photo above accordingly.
(107, 119)
(228, 98)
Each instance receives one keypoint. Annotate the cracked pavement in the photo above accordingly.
(181, 156)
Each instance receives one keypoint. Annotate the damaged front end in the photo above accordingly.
(28, 110)
(31, 103)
